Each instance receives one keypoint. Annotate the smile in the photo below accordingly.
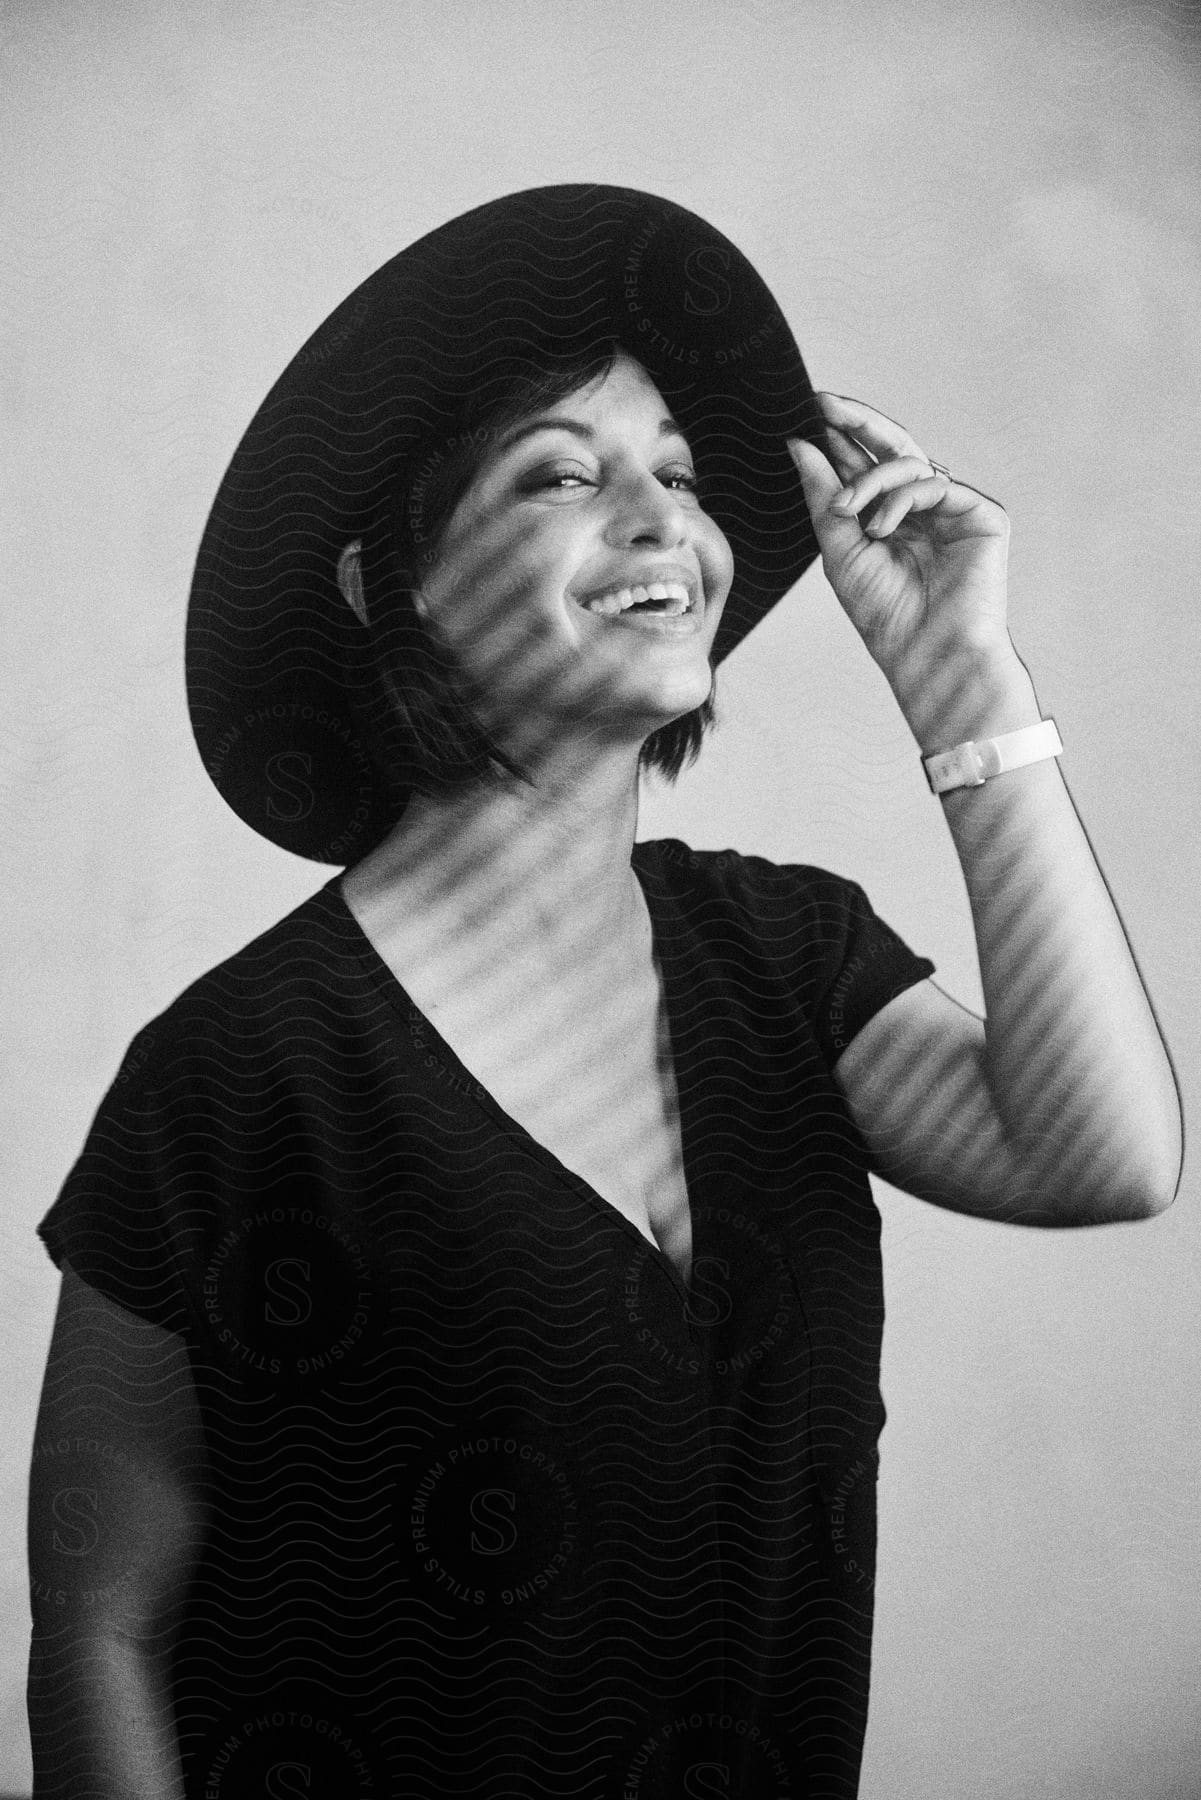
(666, 599)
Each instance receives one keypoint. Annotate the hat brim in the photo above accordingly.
(531, 277)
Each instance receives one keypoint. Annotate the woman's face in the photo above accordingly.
(572, 509)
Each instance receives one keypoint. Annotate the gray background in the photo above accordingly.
(984, 221)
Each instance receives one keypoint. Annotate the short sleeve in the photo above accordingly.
(836, 957)
(862, 964)
(112, 1219)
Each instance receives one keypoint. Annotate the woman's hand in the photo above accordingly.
(923, 576)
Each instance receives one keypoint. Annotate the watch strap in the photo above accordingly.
(973, 763)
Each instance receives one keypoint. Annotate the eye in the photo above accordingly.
(562, 477)
(557, 476)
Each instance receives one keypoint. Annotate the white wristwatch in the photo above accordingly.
(974, 763)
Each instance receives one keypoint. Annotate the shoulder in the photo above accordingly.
(771, 891)
(815, 926)
(231, 1012)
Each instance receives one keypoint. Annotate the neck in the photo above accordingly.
(545, 865)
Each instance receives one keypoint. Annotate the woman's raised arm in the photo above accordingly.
(1060, 1106)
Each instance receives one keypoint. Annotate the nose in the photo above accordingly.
(646, 512)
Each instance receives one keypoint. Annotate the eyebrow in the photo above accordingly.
(668, 427)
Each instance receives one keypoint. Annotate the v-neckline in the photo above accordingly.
(385, 978)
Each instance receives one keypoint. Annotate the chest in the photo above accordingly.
(582, 1063)
(594, 1083)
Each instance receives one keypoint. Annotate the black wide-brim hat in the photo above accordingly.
(528, 279)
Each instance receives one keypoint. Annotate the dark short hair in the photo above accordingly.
(412, 701)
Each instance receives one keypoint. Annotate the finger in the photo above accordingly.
(844, 454)
(882, 478)
(849, 458)
(880, 434)
(838, 532)
(917, 496)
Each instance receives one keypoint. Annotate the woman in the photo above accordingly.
(466, 1376)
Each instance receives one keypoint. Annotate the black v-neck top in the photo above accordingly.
(499, 1505)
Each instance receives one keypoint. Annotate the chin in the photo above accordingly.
(673, 693)
(648, 689)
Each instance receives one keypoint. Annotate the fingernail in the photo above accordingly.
(843, 502)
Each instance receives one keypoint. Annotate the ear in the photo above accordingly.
(350, 579)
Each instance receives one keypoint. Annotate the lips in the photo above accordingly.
(672, 597)
(672, 592)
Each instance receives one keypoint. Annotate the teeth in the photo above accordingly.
(674, 592)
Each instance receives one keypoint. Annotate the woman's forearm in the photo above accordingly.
(1077, 1068)
(100, 1718)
